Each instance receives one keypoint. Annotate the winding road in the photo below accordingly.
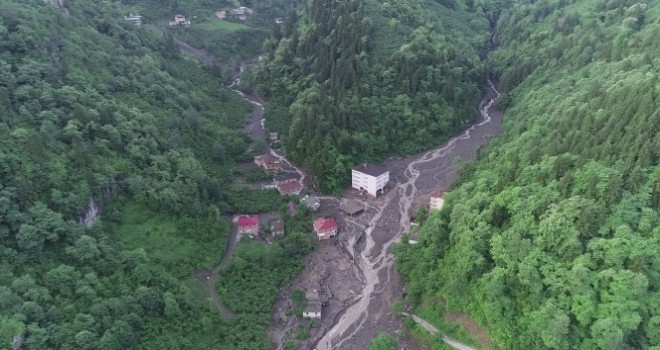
(212, 277)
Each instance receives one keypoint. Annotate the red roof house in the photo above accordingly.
(248, 225)
(325, 228)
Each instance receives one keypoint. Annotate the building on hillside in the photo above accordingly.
(274, 136)
(290, 188)
(220, 14)
(180, 21)
(436, 201)
(267, 161)
(351, 207)
(242, 12)
(313, 308)
(277, 228)
(325, 228)
(312, 203)
(285, 178)
(279, 20)
(248, 225)
(370, 178)
(134, 20)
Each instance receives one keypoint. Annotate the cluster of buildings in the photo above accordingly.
(366, 179)
(287, 183)
(249, 226)
(241, 13)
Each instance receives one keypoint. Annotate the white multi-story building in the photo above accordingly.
(370, 178)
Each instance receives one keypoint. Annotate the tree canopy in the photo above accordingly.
(94, 109)
(359, 80)
(550, 238)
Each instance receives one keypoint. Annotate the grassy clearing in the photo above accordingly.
(434, 312)
(221, 25)
(178, 244)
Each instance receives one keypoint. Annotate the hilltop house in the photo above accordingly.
(248, 225)
(325, 228)
(436, 201)
(370, 178)
(220, 14)
(180, 21)
(267, 161)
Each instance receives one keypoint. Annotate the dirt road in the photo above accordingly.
(210, 276)
(449, 341)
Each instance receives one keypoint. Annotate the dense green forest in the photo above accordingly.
(359, 80)
(92, 107)
(550, 239)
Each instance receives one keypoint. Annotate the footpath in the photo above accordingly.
(429, 327)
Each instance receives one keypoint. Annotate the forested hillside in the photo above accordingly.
(359, 80)
(551, 240)
(93, 107)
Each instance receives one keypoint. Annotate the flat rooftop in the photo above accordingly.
(370, 169)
